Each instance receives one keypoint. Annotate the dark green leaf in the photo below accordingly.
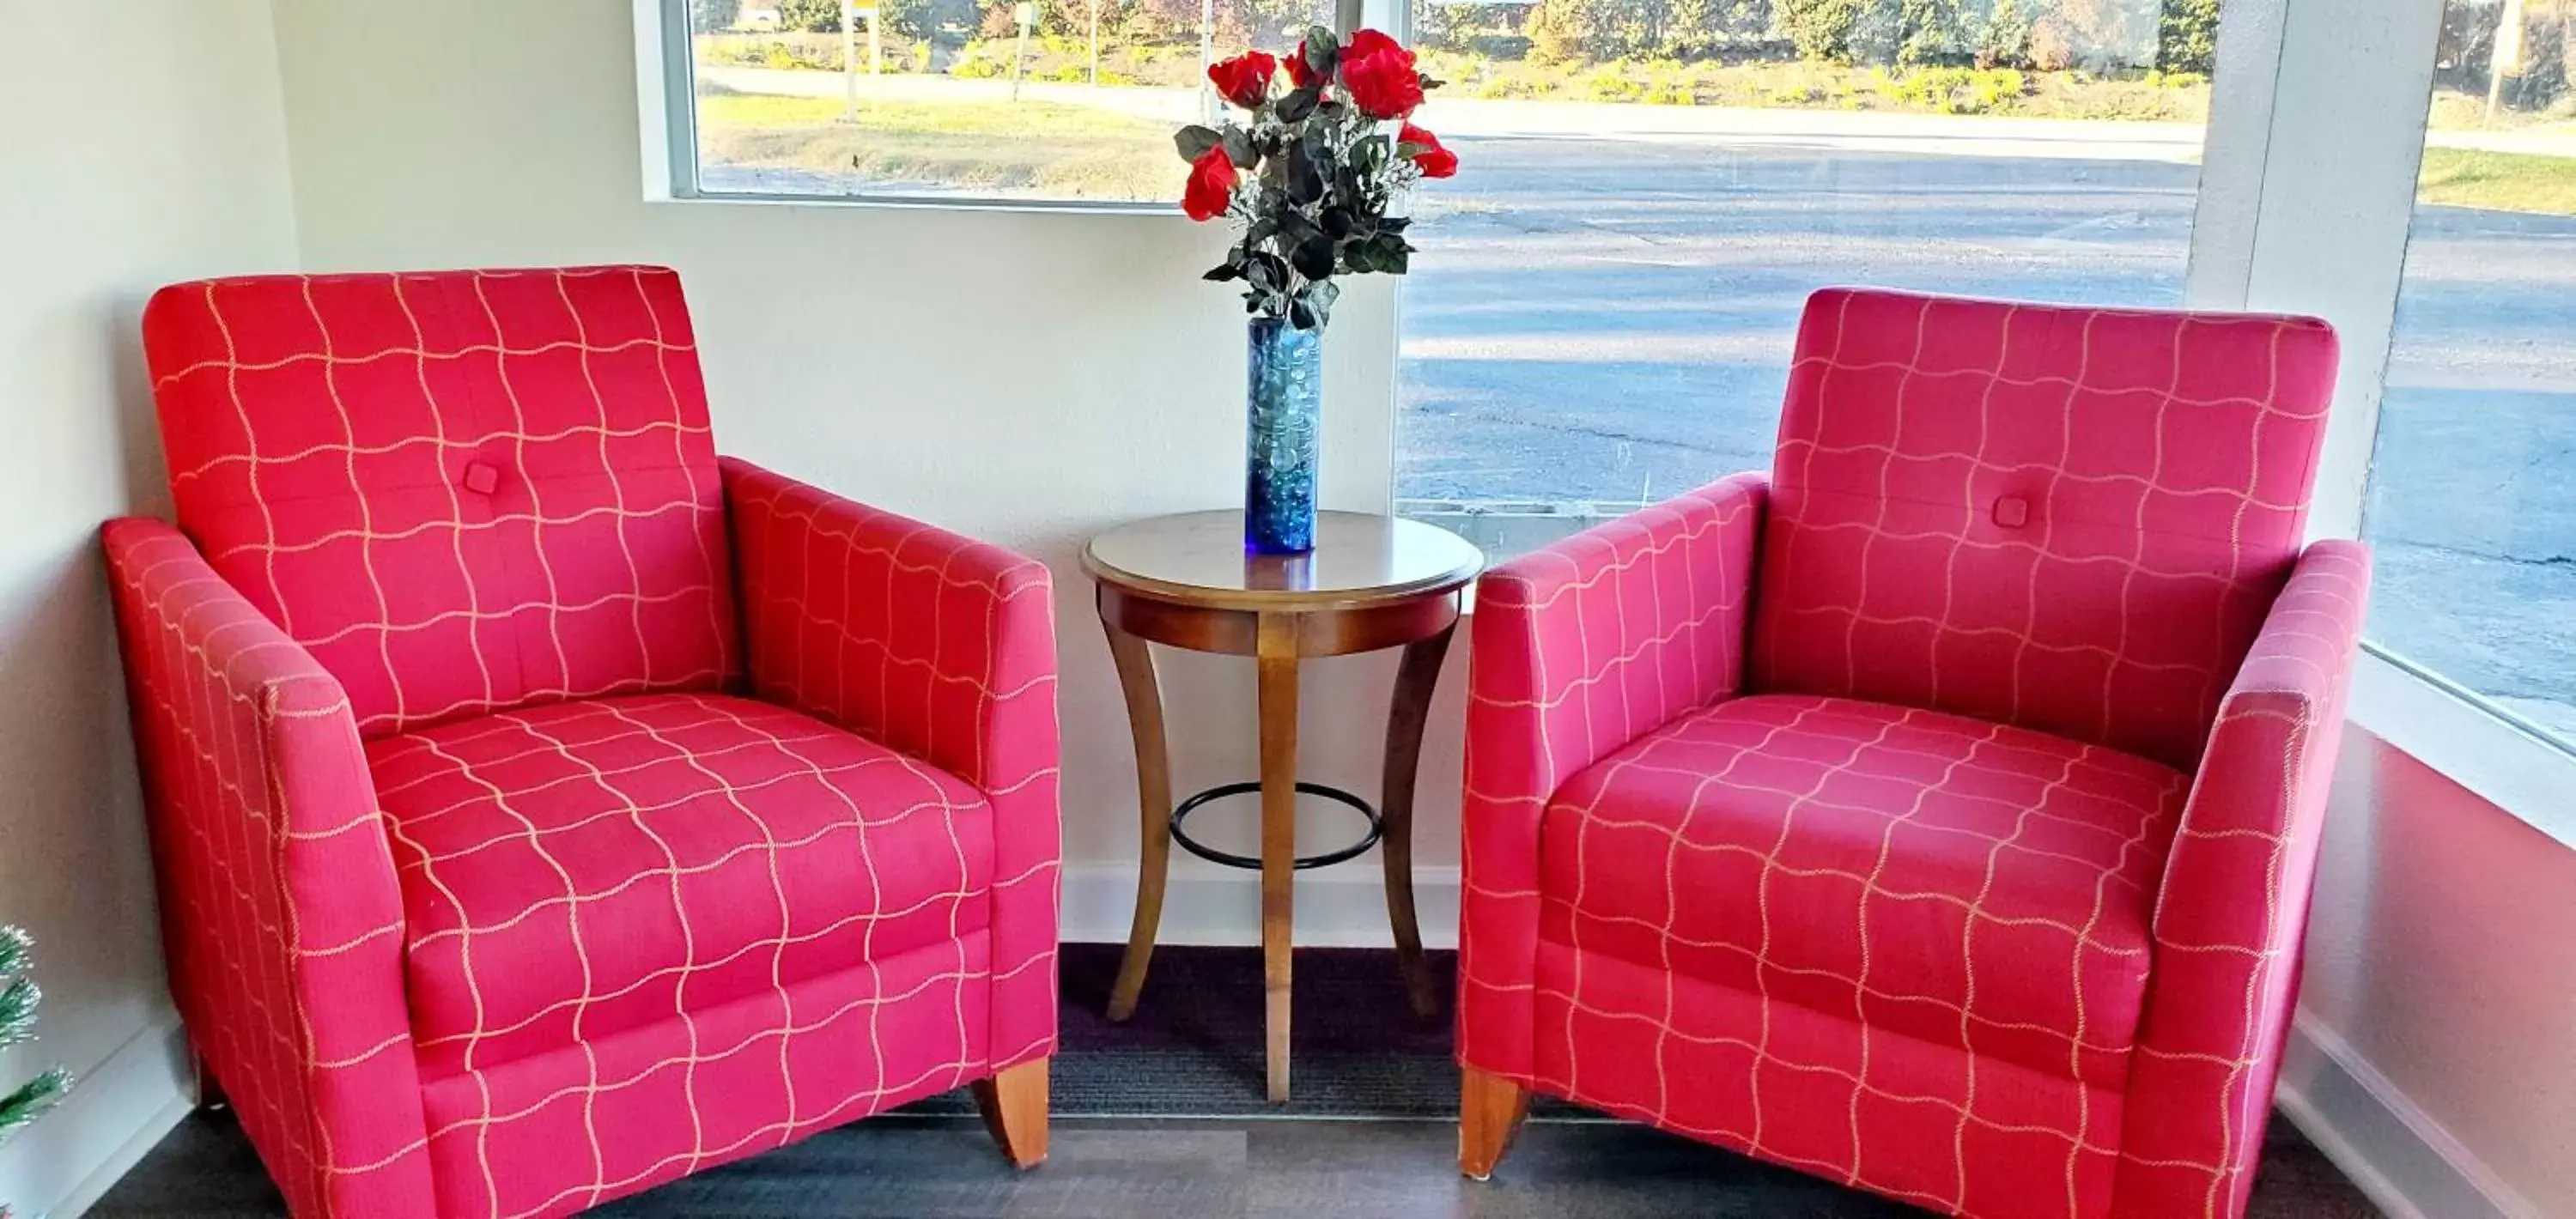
(1194, 141)
(1305, 183)
(1321, 295)
(1338, 222)
(1300, 316)
(1223, 273)
(1318, 143)
(1380, 252)
(1320, 42)
(1239, 149)
(1313, 257)
(1267, 271)
(1297, 105)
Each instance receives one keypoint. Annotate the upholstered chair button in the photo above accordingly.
(480, 478)
(2012, 512)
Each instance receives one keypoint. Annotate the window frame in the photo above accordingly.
(2307, 194)
(2307, 201)
(668, 89)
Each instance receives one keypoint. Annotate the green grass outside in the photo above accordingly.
(1080, 152)
(1045, 147)
(1799, 85)
(2510, 182)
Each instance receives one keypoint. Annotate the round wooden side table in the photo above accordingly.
(1187, 582)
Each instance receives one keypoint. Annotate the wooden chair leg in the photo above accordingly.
(1014, 1104)
(1490, 1109)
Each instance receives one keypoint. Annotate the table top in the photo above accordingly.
(1198, 558)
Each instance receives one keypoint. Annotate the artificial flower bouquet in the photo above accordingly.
(1313, 170)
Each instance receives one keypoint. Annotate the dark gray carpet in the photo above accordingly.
(1194, 1047)
(1163, 1117)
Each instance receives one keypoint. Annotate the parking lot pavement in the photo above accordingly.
(1609, 321)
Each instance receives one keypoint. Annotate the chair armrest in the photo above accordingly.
(2233, 907)
(935, 645)
(1576, 650)
(281, 914)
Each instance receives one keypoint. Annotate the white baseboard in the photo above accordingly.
(114, 1115)
(1338, 907)
(2407, 1164)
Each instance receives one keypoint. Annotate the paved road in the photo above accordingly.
(1610, 320)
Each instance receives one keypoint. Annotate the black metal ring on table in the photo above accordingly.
(1376, 826)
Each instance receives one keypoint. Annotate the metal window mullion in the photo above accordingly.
(665, 100)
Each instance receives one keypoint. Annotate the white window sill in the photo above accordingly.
(2506, 765)
(963, 203)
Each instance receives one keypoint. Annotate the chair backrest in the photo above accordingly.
(463, 491)
(2065, 519)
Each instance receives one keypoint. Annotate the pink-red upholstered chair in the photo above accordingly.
(544, 807)
(1938, 813)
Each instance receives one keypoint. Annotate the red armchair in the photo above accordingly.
(544, 807)
(1938, 814)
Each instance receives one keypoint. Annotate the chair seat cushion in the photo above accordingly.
(1968, 884)
(573, 870)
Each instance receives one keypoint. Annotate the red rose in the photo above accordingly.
(1380, 76)
(1245, 79)
(1371, 42)
(1434, 160)
(1211, 185)
(1301, 71)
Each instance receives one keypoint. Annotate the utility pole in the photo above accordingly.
(1208, 105)
(2507, 60)
(1027, 12)
(849, 61)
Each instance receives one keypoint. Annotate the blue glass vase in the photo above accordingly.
(1283, 402)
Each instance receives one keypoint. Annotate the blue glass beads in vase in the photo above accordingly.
(1283, 405)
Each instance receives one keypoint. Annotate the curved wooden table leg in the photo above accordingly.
(1135, 660)
(1415, 678)
(1276, 660)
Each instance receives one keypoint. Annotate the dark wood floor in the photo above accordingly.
(1305, 1168)
(1372, 1132)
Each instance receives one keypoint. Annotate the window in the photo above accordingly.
(1603, 312)
(2472, 506)
(1038, 100)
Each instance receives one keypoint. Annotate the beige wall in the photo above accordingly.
(1028, 377)
(141, 142)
